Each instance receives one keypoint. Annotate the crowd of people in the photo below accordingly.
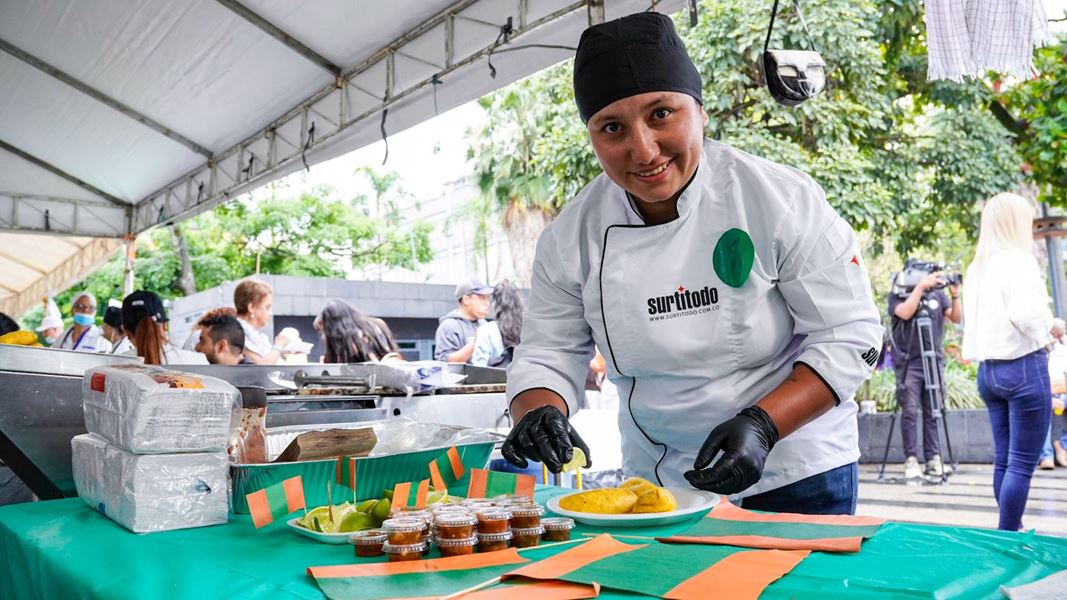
(234, 335)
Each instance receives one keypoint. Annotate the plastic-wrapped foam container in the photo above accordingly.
(151, 492)
(148, 409)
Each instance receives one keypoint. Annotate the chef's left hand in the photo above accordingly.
(745, 441)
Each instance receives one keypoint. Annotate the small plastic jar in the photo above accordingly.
(454, 525)
(403, 552)
(494, 520)
(404, 531)
(368, 542)
(509, 499)
(408, 512)
(525, 516)
(457, 546)
(526, 537)
(491, 542)
(557, 529)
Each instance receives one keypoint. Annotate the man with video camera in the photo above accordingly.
(920, 286)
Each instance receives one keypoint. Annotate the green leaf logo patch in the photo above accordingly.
(733, 257)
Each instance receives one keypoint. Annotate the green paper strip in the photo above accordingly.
(653, 570)
(408, 585)
(789, 531)
(733, 257)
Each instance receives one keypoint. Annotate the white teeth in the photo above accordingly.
(656, 171)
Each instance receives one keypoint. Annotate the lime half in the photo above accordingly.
(576, 462)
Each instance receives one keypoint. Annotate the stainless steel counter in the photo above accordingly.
(41, 410)
(41, 405)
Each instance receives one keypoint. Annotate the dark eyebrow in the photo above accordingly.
(658, 99)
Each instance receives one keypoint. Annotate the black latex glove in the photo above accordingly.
(745, 441)
(544, 435)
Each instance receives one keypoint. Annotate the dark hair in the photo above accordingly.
(222, 310)
(113, 316)
(351, 336)
(7, 324)
(224, 327)
(509, 307)
(148, 339)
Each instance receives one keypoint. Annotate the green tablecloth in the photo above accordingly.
(63, 549)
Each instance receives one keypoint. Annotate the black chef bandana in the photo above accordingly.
(632, 55)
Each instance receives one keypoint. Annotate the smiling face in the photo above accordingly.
(650, 144)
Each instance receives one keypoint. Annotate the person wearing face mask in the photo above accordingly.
(84, 335)
(728, 297)
(254, 300)
(51, 329)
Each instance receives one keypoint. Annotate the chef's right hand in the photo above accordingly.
(544, 434)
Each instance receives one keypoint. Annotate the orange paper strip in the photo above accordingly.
(725, 510)
(602, 546)
(452, 563)
(740, 576)
(849, 544)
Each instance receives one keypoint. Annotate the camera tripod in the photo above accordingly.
(931, 387)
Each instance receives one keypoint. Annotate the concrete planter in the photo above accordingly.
(968, 430)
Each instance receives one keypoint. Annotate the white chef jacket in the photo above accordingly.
(684, 366)
(123, 346)
(1006, 313)
(91, 340)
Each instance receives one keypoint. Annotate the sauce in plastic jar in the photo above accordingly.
(493, 520)
(491, 542)
(454, 525)
(403, 552)
(368, 542)
(509, 499)
(557, 529)
(525, 516)
(526, 537)
(457, 546)
(404, 530)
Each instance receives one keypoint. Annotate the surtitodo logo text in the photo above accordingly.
(683, 302)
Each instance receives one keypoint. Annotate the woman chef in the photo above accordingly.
(726, 294)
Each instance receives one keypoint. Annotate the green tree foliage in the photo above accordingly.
(1040, 105)
(314, 234)
(897, 155)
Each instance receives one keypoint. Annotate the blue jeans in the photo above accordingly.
(833, 492)
(1018, 395)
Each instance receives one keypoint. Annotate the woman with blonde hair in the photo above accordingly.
(1007, 326)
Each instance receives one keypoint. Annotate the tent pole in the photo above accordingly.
(131, 258)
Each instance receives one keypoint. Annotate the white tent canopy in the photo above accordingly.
(116, 117)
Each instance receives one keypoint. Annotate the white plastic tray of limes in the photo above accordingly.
(347, 519)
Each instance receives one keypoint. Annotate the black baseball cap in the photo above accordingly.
(140, 304)
(472, 286)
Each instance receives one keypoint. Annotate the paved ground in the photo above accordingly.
(966, 500)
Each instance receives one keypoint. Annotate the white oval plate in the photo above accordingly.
(318, 536)
(690, 502)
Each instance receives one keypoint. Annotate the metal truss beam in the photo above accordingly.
(84, 261)
(103, 98)
(273, 31)
(61, 173)
(48, 214)
(241, 166)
